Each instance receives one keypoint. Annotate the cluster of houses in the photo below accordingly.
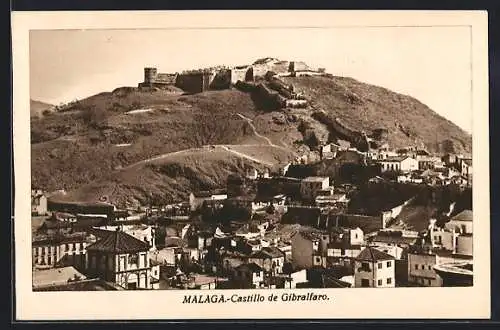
(262, 230)
(411, 164)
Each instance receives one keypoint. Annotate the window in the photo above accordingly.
(389, 280)
(430, 267)
(429, 282)
(122, 263)
(379, 282)
(132, 259)
(365, 266)
(416, 267)
(423, 266)
(388, 264)
(365, 283)
(380, 265)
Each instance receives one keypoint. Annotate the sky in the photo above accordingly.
(432, 64)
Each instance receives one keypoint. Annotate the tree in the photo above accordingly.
(288, 270)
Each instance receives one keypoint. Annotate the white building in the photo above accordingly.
(398, 163)
(461, 222)
(311, 186)
(374, 268)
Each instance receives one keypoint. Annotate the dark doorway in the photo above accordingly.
(132, 286)
(249, 74)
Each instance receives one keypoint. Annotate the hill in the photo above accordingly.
(365, 107)
(37, 107)
(168, 179)
(89, 140)
(108, 144)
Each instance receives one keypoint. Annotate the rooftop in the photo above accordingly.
(119, 242)
(85, 285)
(315, 179)
(55, 276)
(373, 254)
(250, 266)
(394, 159)
(465, 215)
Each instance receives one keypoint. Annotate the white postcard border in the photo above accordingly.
(470, 302)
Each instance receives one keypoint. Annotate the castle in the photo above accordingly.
(197, 81)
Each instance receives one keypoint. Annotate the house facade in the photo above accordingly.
(122, 259)
(421, 269)
(38, 204)
(270, 259)
(375, 269)
(311, 187)
(461, 222)
(399, 164)
(248, 276)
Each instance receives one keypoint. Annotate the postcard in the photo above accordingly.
(251, 165)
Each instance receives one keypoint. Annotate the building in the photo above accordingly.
(421, 269)
(55, 276)
(122, 259)
(61, 250)
(312, 186)
(270, 258)
(339, 199)
(157, 80)
(461, 222)
(142, 232)
(248, 276)
(456, 273)
(466, 170)
(82, 210)
(398, 163)
(38, 203)
(308, 248)
(392, 238)
(196, 199)
(374, 268)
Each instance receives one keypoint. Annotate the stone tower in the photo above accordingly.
(150, 75)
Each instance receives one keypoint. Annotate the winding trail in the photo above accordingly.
(226, 147)
(250, 122)
(268, 141)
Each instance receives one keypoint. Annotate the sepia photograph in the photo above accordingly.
(223, 164)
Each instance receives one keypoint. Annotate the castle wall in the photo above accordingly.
(193, 82)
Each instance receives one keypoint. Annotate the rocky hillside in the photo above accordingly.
(107, 144)
(363, 107)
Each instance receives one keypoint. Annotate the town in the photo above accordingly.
(347, 214)
(272, 230)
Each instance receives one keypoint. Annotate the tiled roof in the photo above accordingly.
(332, 282)
(468, 161)
(268, 253)
(119, 242)
(251, 266)
(394, 159)
(273, 251)
(372, 254)
(393, 239)
(465, 215)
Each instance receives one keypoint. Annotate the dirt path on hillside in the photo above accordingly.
(268, 141)
(192, 150)
(226, 147)
(240, 154)
(250, 122)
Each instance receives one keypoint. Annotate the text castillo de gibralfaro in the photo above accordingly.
(252, 298)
